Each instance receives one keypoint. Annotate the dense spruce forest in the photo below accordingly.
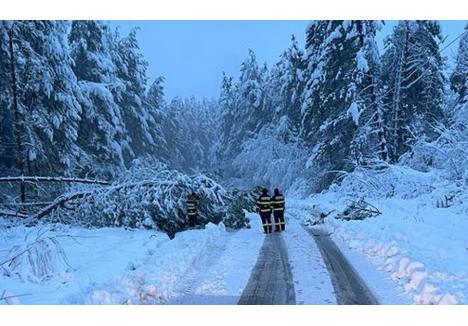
(76, 101)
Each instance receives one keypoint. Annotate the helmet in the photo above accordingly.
(264, 191)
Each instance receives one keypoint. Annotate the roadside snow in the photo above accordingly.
(222, 273)
(93, 256)
(118, 266)
(421, 248)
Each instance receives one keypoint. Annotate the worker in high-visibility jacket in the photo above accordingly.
(264, 209)
(277, 204)
(192, 205)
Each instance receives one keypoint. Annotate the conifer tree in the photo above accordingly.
(414, 83)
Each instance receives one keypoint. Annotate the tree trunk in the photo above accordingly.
(18, 118)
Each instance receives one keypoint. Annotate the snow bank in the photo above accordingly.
(155, 281)
(419, 241)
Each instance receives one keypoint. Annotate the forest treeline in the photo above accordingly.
(80, 103)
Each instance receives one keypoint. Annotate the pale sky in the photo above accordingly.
(192, 55)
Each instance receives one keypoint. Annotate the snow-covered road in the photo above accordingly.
(208, 266)
(312, 282)
(271, 281)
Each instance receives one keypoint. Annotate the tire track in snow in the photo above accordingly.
(271, 281)
(349, 286)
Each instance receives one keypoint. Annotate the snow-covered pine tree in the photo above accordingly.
(102, 133)
(285, 87)
(8, 143)
(369, 143)
(156, 107)
(131, 71)
(243, 109)
(413, 83)
(224, 148)
(459, 77)
(334, 95)
(48, 95)
(192, 132)
(273, 156)
(455, 138)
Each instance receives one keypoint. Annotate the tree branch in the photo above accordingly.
(59, 202)
(53, 179)
(13, 214)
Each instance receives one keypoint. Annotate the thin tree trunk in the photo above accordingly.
(18, 123)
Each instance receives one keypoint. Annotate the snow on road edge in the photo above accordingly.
(312, 282)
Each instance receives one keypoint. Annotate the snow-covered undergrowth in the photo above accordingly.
(37, 258)
(419, 241)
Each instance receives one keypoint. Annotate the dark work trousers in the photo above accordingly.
(266, 221)
(279, 220)
(192, 219)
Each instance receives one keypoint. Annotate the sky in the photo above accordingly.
(192, 55)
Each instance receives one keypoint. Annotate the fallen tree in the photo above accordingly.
(148, 196)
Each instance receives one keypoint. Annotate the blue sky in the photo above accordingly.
(192, 55)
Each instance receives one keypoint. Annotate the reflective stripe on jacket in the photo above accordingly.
(192, 207)
(264, 203)
(277, 203)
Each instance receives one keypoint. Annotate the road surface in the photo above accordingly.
(271, 280)
(349, 287)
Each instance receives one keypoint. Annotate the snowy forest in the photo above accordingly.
(89, 142)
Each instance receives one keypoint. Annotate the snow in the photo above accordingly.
(414, 252)
(116, 266)
(421, 248)
(300, 211)
(311, 279)
(361, 60)
(94, 256)
(354, 112)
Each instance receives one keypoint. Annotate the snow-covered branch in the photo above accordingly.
(12, 214)
(53, 179)
(60, 201)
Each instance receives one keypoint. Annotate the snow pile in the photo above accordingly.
(157, 279)
(117, 266)
(419, 239)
